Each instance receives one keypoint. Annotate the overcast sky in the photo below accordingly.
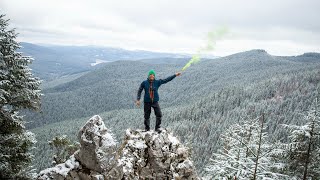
(282, 27)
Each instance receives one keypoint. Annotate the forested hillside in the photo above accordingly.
(115, 85)
(197, 107)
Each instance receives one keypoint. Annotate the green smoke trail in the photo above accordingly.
(212, 38)
(195, 58)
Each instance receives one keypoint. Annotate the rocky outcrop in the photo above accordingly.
(98, 147)
(142, 155)
(149, 155)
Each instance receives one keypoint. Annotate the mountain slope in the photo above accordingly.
(115, 85)
(283, 97)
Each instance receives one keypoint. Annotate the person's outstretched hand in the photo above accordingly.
(178, 73)
(138, 103)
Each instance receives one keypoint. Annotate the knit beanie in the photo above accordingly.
(152, 72)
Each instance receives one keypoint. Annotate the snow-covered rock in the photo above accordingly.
(142, 155)
(60, 171)
(149, 155)
(98, 147)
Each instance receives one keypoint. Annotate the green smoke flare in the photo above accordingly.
(195, 58)
(212, 38)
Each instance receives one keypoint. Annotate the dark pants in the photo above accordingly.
(147, 112)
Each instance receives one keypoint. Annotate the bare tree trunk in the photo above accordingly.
(248, 140)
(309, 149)
(259, 147)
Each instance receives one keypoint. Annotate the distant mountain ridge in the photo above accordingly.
(311, 54)
(53, 61)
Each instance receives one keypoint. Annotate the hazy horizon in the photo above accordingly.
(279, 27)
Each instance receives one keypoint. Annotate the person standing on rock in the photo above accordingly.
(151, 98)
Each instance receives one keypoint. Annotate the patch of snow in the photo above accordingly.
(128, 132)
(155, 136)
(127, 164)
(173, 140)
(31, 136)
(139, 144)
(185, 164)
(63, 168)
(108, 140)
(100, 176)
(165, 148)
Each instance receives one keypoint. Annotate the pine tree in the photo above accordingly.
(303, 149)
(246, 154)
(18, 90)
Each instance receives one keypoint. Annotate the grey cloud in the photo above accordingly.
(292, 20)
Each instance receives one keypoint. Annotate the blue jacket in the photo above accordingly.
(145, 85)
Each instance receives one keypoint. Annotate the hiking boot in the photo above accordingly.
(158, 131)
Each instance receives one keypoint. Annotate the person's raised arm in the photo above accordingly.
(163, 81)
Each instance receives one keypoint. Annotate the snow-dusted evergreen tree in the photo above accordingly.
(18, 90)
(303, 149)
(246, 153)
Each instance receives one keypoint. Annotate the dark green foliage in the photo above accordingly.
(18, 90)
